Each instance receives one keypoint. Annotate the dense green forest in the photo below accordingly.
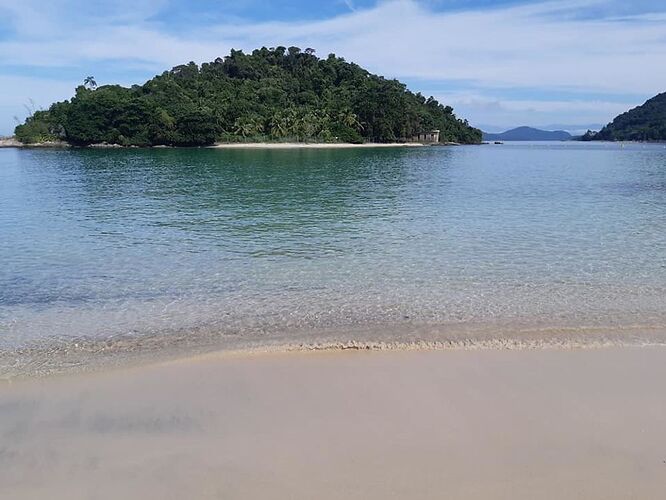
(643, 123)
(276, 94)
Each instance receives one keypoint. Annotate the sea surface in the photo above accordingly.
(233, 248)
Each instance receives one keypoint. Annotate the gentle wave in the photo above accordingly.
(89, 354)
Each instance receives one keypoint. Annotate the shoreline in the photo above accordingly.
(56, 357)
(474, 424)
(11, 142)
(314, 145)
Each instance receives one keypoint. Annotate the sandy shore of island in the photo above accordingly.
(489, 424)
(11, 142)
(308, 145)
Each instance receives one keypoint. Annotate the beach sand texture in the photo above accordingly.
(12, 142)
(314, 145)
(485, 424)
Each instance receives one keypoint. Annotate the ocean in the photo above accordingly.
(520, 244)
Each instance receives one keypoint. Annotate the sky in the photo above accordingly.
(569, 64)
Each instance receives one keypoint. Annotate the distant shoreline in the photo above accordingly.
(313, 145)
(11, 142)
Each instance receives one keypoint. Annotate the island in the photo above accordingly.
(646, 123)
(528, 134)
(271, 95)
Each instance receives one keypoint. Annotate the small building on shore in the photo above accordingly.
(431, 137)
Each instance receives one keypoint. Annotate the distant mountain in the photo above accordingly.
(643, 123)
(573, 129)
(528, 134)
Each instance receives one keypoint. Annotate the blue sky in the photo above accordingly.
(498, 63)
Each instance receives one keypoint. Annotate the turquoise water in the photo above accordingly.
(267, 245)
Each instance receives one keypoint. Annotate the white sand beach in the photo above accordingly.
(313, 145)
(464, 424)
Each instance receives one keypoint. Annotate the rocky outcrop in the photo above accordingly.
(12, 142)
(9, 142)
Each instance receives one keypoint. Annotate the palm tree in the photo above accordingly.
(350, 119)
(242, 128)
(89, 82)
(279, 125)
(257, 125)
(248, 126)
(309, 124)
(291, 122)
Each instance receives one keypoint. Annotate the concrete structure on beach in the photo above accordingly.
(427, 137)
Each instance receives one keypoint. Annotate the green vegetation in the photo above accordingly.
(643, 123)
(275, 94)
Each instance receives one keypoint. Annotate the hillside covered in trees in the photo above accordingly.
(643, 123)
(274, 94)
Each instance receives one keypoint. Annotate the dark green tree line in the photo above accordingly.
(643, 123)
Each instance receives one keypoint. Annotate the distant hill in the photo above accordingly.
(528, 134)
(643, 123)
(574, 129)
(276, 94)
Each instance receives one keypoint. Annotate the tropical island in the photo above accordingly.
(645, 123)
(271, 95)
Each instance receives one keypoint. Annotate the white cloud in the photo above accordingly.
(532, 46)
(505, 113)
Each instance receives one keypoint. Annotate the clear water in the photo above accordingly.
(265, 244)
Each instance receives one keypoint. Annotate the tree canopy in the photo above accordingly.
(643, 123)
(273, 94)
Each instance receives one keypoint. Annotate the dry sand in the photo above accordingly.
(313, 145)
(11, 142)
(489, 424)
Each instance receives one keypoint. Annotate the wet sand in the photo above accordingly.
(477, 424)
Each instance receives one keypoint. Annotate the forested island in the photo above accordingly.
(528, 134)
(276, 94)
(643, 123)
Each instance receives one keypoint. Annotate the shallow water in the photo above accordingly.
(260, 243)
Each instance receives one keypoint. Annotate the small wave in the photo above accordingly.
(58, 356)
